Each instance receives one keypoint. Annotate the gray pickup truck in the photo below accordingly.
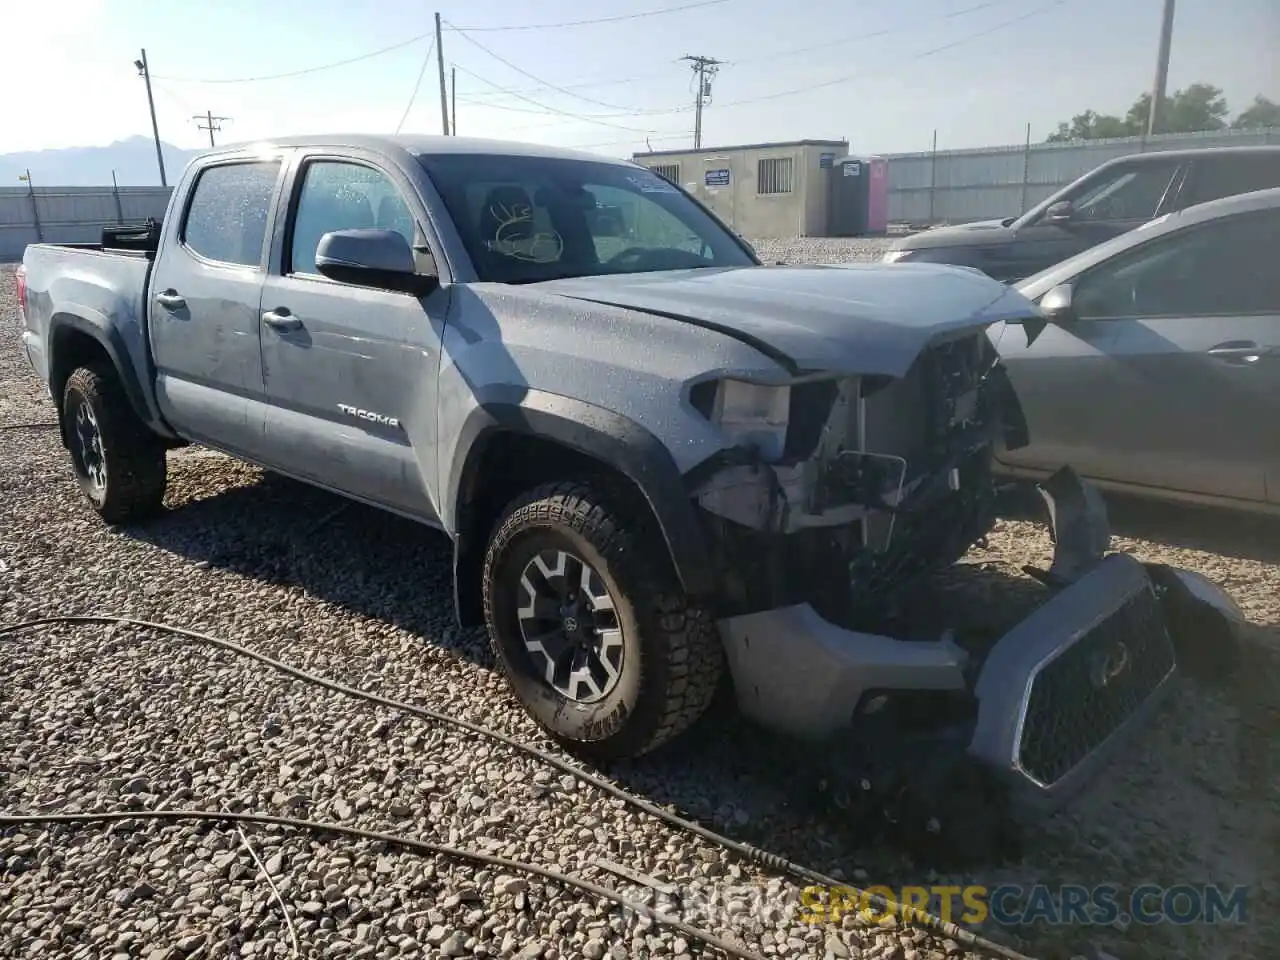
(656, 458)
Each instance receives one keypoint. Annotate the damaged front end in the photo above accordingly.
(843, 491)
(828, 517)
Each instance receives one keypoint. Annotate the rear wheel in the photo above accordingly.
(590, 625)
(120, 464)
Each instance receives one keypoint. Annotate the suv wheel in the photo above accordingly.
(588, 621)
(119, 462)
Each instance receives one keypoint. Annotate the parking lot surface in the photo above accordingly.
(113, 718)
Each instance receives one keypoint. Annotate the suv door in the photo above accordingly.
(1217, 175)
(351, 371)
(1169, 377)
(203, 314)
(1113, 201)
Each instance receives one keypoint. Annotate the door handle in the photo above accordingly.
(1238, 352)
(170, 299)
(281, 319)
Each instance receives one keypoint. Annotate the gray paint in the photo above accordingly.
(1140, 405)
(995, 182)
(444, 370)
(828, 669)
(1004, 685)
(1017, 247)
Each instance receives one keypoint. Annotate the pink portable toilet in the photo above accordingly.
(877, 171)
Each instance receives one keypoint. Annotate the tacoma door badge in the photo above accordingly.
(368, 415)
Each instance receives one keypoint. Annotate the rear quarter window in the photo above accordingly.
(227, 218)
(1226, 176)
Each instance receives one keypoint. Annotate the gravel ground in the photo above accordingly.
(97, 718)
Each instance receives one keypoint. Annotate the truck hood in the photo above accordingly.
(867, 319)
(961, 235)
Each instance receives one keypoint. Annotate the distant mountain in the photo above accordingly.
(133, 160)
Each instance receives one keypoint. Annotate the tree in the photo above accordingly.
(1261, 113)
(1090, 126)
(1199, 107)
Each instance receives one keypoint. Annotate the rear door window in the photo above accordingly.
(1216, 177)
(227, 217)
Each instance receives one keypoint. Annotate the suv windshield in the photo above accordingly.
(525, 219)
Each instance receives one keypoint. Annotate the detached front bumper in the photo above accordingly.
(1054, 699)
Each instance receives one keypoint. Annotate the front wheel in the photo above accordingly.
(120, 464)
(589, 623)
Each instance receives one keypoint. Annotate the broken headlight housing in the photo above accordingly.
(749, 414)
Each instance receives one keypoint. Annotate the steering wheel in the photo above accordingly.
(629, 255)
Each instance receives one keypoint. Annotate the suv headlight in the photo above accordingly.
(749, 414)
(895, 256)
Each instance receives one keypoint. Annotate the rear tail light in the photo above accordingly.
(20, 280)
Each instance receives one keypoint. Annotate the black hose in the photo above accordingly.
(747, 851)
(418, 846)
(29, 426)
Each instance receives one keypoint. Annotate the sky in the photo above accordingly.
(883, 74)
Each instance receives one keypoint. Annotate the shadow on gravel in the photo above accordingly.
(726, 774)
(747, 783)
(1238, 535)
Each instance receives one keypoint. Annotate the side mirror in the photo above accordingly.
(1056, 305)
(372, 258)
(1059, 213)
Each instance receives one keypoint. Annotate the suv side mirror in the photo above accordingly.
(1057, 305)
(1059, 213)
(372, 258)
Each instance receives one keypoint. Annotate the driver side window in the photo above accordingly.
(1222, 268)
(1129, 193)
(337, 195)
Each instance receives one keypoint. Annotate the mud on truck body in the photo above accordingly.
(659, 461)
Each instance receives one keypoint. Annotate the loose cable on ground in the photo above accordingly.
(409, 843)
(275, 891)
(773, 861)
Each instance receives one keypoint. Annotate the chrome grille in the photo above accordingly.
(1093, 687)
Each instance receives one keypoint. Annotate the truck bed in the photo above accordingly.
(105, 289)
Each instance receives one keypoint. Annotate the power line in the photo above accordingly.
(422, 72)
(298, 73)
(850, 77)
(782, 54)
(536, 79)
(583, 23)
(461, 30)
(838, 81)
(550, 109)
(874, 34)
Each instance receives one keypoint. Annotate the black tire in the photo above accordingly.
(671, 658)
(131, 487)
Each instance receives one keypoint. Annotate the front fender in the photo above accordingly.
(605, 436)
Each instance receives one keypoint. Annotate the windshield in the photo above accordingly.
(525, 219)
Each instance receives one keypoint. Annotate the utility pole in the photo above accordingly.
(1162, 69)
(704, 68)
(145, 72)
(453, 99)
(35, 207)
(444, 94)
(211, 123)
